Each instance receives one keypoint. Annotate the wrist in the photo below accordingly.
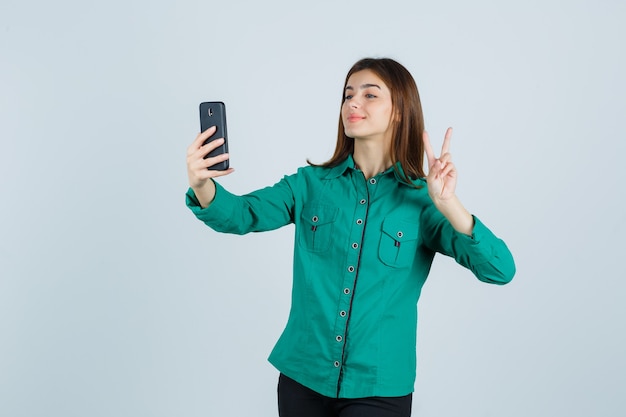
(451, 203)
(458, 216)
(205, 193)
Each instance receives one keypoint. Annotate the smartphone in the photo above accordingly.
(213, 113)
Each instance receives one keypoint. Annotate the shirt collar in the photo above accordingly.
(340, 169)
(399, 173)
(348, 163)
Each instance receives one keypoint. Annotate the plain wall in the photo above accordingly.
(116, 301)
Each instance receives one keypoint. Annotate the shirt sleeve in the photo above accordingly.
(265, 209)
(483, 253)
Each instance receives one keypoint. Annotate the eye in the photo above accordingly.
(370, 95)
(347, 97)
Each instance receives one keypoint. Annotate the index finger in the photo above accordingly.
(428, 149)
(446, 142)
(197, 143)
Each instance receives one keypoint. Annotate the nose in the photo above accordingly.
(354, 103)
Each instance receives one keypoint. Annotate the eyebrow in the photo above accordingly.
(363, 86)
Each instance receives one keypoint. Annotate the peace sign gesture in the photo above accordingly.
(442, 173)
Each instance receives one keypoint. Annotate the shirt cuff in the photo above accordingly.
(219, 209)
(478, 245)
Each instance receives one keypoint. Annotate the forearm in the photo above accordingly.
(265, 209)
(205, 194)
(458, 216)
(481, 251)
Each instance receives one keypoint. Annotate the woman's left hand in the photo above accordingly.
(441, 181)
(442, 173)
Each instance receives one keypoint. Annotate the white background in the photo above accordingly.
(116, 301)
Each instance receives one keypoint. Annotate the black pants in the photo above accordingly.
(296, 400)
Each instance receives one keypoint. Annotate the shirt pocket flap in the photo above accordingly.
(400, 230)
(319, 215)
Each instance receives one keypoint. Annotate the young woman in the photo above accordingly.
(368, 224)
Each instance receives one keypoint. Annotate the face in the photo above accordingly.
(367, 109)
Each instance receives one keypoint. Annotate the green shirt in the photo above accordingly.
(362, 252)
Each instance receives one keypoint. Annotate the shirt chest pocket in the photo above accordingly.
(316, 227)
(398, 242)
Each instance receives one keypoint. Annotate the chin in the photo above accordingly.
(355, 136)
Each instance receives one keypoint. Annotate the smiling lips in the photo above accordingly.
(355, 118)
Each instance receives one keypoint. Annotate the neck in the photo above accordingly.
(370, 157)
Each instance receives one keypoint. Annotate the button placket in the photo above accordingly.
(361, 205)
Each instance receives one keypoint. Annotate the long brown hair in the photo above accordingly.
(406, 146)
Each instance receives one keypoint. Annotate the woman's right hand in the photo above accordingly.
(199, 176)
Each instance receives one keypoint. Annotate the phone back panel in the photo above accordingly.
(213, 113)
